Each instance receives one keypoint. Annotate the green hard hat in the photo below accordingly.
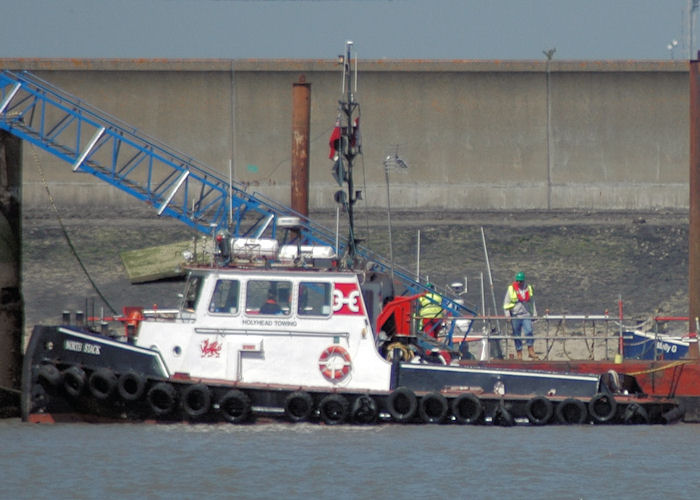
(520, 276)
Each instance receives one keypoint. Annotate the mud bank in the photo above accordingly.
(578, 262)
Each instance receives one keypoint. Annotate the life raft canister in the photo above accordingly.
(335, 363)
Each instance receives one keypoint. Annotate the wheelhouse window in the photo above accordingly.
(192, 292)
(268, 297)
(225, 297)
(314, 299)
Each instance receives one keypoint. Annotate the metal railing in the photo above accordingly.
(572, 337)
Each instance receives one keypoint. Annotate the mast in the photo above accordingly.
(345, 145)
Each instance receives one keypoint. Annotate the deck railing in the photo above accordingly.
(564, 336)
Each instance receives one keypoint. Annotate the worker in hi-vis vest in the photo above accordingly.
(431, 312)
(519, 306)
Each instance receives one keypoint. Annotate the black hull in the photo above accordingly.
(115, 381)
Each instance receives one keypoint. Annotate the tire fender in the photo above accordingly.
(571, 411)
(49, 376)
(364, 410)
(539, 410)
(162, 398)
(196, 400)
(74, 380)
(467, 408)
(102, 383)
(131, 385)
(298, 406)
(402, 404)
(333, 409)
(235, 406)
(602, 407)
(433, 408)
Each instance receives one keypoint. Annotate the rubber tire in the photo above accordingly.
(298, 406)
(571, 411)
(196, 400)
(74, 380)
(602, 407)
(333, 409)
(539, 410)
(503, 417)
(49, 376)
(102, 383)
(402, 404)
(162, 398)
(635, 414)
(467, 409)
(433, 408)
(131, 386)
(364, 410)
(235, 406)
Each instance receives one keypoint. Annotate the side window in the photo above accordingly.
(225, 297)
(268, 297)
(314, 299)
(192, 291)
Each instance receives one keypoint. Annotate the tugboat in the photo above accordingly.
(304, 333)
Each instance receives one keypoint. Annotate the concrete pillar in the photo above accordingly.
(11, 306)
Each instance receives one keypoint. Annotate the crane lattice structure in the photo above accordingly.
(176, 185)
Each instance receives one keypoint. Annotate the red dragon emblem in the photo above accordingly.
(210, 349)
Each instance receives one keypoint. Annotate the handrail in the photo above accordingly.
(595, 336)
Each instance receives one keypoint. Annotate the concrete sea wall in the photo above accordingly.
(477, 135)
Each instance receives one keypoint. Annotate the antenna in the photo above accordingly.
(345, 145)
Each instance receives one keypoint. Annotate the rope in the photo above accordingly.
(10, 389)
(661, 368)
(65, 232)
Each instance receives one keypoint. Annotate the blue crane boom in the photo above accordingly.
(176, 185)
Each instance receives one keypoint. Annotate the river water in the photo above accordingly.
(300, 461)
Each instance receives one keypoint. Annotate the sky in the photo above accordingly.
(313, 29)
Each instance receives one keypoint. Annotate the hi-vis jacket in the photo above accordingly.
(519, 301)
(430, 306)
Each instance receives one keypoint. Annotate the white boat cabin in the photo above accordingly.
(286, 327)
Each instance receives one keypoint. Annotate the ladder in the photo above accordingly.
(176, 185)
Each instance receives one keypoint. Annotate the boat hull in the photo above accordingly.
(74, 374)
(677, 379)
(649, 346)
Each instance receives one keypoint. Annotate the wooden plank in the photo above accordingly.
(161, 261)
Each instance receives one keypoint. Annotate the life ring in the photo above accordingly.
(335, 363)
(602, 407)
(74, 381)
(131, 385)
(502, 416)
(196, 400)
(235, 406)
(467, 408)
(333, 409)
(635, 414)
(162, 398)
(49, 376)
(402, 404)
(433, 408)
(102, 383)
(364, 410)
(298, 406)
(571, 411)
(539, 410)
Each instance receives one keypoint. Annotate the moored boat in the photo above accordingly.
(298, 343)
(302, 332)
